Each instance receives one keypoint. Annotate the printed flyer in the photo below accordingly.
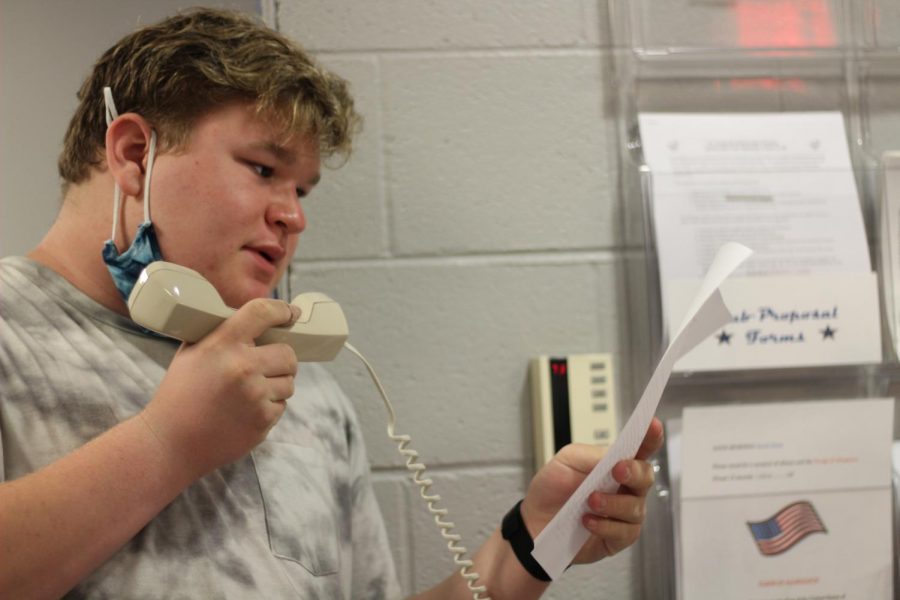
(787, 501)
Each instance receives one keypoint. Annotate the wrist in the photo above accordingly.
(516, 533)
(181, 467)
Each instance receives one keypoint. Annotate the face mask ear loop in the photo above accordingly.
(150, 160)
(111, 115)
(111, 112)
(117, 202)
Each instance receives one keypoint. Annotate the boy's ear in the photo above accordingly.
(127, 147)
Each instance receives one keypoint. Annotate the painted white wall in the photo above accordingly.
(476, 226)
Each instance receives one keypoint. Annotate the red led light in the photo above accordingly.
(784, 24)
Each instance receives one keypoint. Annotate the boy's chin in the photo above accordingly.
(238, 298)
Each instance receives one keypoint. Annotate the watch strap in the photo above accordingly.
(514, 531)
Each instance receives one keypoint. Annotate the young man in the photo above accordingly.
(134, 466)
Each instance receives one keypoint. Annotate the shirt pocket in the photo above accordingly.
(299, 505)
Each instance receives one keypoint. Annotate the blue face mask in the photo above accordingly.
(125, 268)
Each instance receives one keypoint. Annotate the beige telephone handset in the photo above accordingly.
(179, 302)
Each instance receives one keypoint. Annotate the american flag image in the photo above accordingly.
(788, 526)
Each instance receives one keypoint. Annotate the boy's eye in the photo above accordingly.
(301, 193)
(264, 171)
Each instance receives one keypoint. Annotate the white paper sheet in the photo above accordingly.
(791, 142)
(560, 541)
(780, 183)
(744, 464)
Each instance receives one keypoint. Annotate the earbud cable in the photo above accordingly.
(417, 469)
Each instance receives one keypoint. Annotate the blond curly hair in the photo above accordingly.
(178, 70)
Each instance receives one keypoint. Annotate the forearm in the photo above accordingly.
(59, 524)
(499, 570)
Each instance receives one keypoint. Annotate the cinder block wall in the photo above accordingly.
(477, 225)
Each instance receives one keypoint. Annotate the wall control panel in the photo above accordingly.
(572, 401)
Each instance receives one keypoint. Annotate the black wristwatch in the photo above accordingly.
(514, 531)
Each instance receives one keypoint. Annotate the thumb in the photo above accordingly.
(254, 318)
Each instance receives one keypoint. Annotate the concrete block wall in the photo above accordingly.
(477, 225)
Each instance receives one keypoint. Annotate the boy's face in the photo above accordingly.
(228, 205)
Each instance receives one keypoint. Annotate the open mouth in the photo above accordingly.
(269, 254)
(265, 259)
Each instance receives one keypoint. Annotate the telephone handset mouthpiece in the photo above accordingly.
(178, 302)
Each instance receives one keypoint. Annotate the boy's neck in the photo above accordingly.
(72, 247)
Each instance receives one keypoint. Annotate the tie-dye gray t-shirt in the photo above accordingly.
(296, 518)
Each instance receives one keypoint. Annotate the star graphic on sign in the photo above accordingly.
(724, 338)
(828, 332)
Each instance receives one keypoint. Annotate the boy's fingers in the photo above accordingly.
(255, 317)
(653, 440)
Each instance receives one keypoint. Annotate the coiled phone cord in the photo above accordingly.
(424, 484)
